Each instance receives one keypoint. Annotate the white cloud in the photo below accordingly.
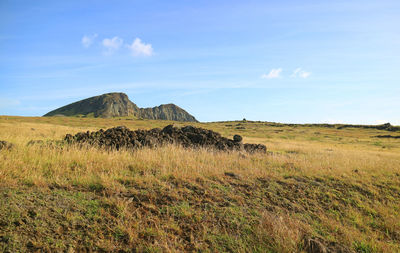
(304, 74)
(139, 48)
(274, 73)
(300, 73)
(112, 45)
(88, 40)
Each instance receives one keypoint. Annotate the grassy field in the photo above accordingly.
(316, 185)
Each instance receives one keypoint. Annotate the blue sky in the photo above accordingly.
(283, 61)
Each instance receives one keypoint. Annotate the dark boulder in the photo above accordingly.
(237, 138)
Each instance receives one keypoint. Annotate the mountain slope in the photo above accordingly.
(105, 106)
(118, 105)
(166, 112)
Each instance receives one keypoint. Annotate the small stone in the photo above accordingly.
(232, 175)
(237, 138)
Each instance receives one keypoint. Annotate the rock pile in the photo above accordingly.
(188, 137)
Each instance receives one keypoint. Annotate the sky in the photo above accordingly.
(283, 61)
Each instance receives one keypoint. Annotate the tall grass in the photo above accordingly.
(347, 190)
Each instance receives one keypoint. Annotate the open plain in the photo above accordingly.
(319, 188)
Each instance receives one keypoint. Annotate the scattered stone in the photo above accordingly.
(237, 138)
(188, 137)
(232, 175)
(255, 148)
(6, 145)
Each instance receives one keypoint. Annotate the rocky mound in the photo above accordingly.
(118, 105)
(188, 136)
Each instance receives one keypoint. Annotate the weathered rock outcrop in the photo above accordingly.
(118, 105)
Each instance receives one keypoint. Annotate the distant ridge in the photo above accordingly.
(166, 112)
(118, 105)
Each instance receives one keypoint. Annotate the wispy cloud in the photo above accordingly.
(88, 40)
(274, 73)
(300, 73)
(112, 45)
(139, 48)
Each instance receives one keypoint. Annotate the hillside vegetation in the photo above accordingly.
(318, 188)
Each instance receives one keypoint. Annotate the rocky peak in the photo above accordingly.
(117, 104)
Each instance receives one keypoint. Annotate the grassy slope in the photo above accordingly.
(341, 186)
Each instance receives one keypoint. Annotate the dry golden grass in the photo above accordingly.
(340, 186)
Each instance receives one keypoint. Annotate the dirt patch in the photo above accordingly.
(188, 136)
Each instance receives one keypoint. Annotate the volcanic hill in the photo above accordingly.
(118, 105)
